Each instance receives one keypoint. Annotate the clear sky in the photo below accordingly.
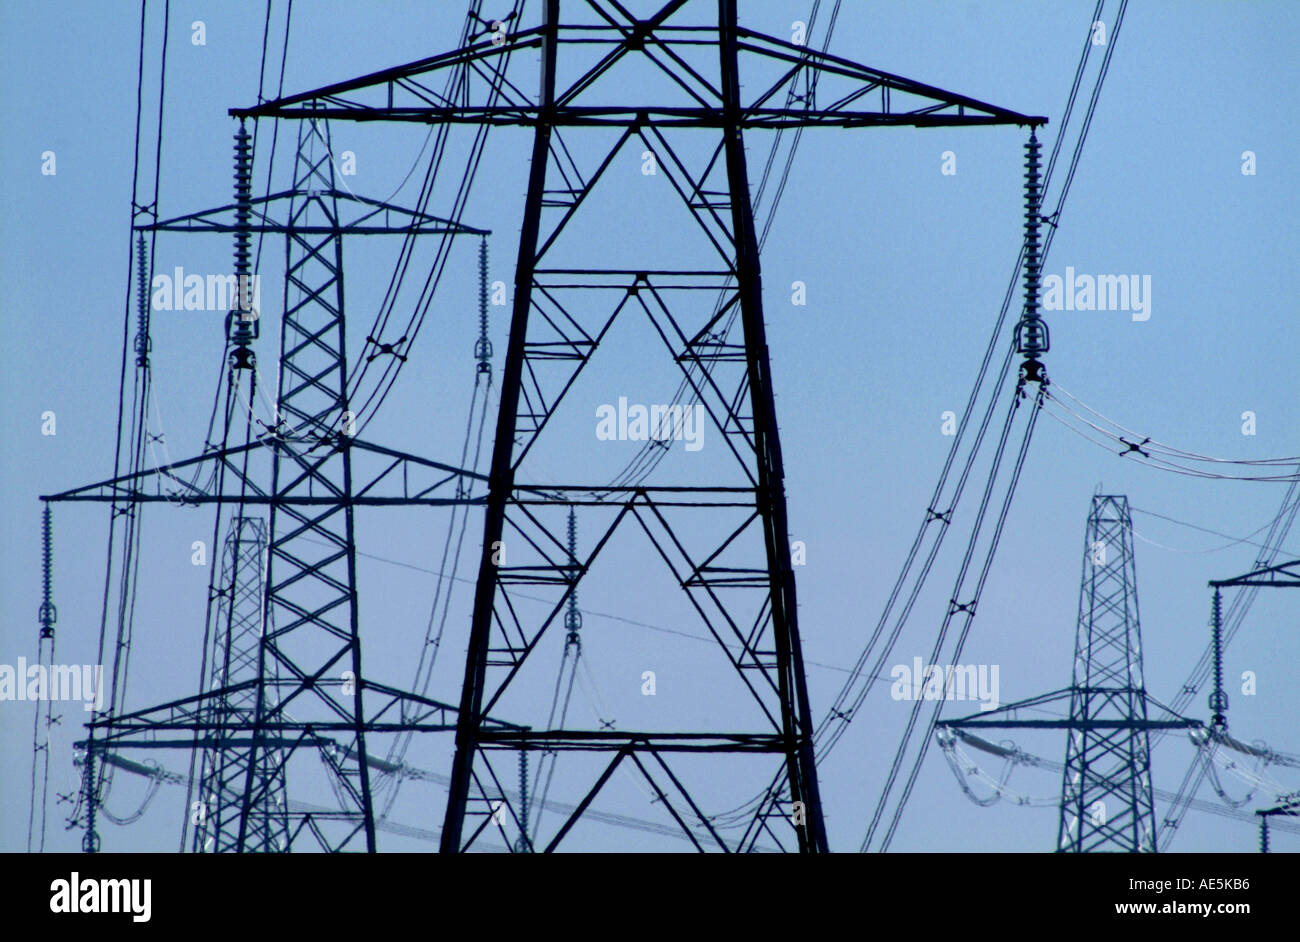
(904, 267)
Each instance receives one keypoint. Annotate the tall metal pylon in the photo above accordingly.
(1106, 793)
(310, 623)
(304, 691)
(725, 546)
(1106, 802)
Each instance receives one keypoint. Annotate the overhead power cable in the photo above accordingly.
(943, 504)
(129, 449)
(968, 609)
(1016, 757)
(1149, 453)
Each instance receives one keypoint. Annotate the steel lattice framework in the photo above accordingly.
(235, 659)
(1106, 802)
(306, 686)
(1106, 792)
(725, 545)
(739, 579)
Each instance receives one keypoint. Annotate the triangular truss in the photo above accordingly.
(672, 43)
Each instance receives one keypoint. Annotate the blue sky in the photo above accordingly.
(905, 268)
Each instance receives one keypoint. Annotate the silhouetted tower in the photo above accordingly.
(724, 543)
(1106, 793)
(294, 687)
(1106, 802)
(670, 84)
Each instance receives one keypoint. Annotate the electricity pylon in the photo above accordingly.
(725, 546)
(1106, 793)
(306, 692)
(1106, 802)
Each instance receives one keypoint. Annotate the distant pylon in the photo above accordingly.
(237, 638)
(1106, 795)
(1106, 802)
(298, 692)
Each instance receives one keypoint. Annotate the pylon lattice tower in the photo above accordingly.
(738, 578)
(300, 690)
(1106, 792)
(1106, 802)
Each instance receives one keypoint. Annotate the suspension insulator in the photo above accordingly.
(47, 615)
(483, 346)
(241, 321)
(573, 617)
(142, 341)
(523, 788)
(1032, 338)
(522, 844)
(1218, 700)
(243, 199)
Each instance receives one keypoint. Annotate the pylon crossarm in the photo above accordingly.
(222, 219)
(1283, 575)
(1004, 717)
(121, 488)
(423, 714)
(392, 81)
(401, 93)
(402, 479)
(1135, 725)
(1010, 709)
